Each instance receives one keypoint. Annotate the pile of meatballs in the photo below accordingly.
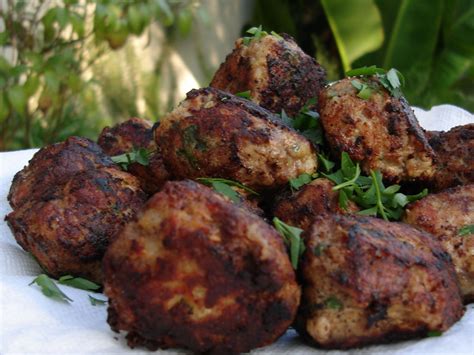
(184, 266)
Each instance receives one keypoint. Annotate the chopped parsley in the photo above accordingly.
(223, 186)
(391, 80)
(257, 33)
(306, 122)
(292, 238)
(466, 230)
(301, 180)
(434, 333)
(78, 282)
(96, 301)
(244, 94)
(369, 192)
(140, 156)
(333, 303)
(49, 288)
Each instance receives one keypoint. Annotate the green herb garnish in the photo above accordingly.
(333, 303)
(306, 122)
(364, 90)
(78, 282)
(369, 192)
(244, 94)
(223, 186)
(140, 156)
(434, 333)
(301, 180)
(257, 33)
(391, 80)
(466, 230)
(49, 288)
(326, 163)
(96, 302)
(319, 249)
(292, 238)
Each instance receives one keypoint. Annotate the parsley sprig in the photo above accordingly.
(466, 230)
(257, 33)
(140, 156)
(301, 180)
(224, 187)
(391, 80)
(244, 94)
(292, 238)
(369, 192)
(306, 122)
(49, 288)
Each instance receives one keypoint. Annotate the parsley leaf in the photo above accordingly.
(256, 33)
(301, 180)
(244, 94)
(369, 192)
(49, 288)
(78, 282)
(434, 333)
(292, 238)
(306, 122)
(326, 163)
(96, 301)
(333, 303)
(466, 230)
(391, 80)
(140, 156)
(223, 186)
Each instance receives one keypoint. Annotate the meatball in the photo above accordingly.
(215, 134)
(136, 133)
(68, 227)
(278, 74)
(380, 132)
(443, 215)
(55, 164)
(366, 280)
(197, 272)
(315, 198)
(455, 156)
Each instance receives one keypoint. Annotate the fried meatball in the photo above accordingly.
(366, 280)
(215, 134)
(136, 133)
(455, 156)
(443, 215)
(68, 227)
(315, 198)
(278, 74)
(197, 272)
(381, 132)
(55, 164)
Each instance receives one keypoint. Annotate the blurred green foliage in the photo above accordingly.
(45, 95)
(430, 42)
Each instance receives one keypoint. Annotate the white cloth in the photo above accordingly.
(33, 323)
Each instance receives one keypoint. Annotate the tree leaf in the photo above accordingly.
(412, 43)
(354, 37)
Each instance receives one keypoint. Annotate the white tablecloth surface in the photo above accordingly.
(31, 323)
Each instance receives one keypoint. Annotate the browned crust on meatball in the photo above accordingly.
(197, 272)
(216, 134)
(315, 198)
(68, 228)
(279, 75)
(367, 281)
(55, 164)
(442, 215)
(125, 136)
(455, 156)
(381, 132)
(136, 133)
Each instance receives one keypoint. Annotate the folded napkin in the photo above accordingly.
(33, 323)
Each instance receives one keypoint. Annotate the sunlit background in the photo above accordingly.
(72, 67)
